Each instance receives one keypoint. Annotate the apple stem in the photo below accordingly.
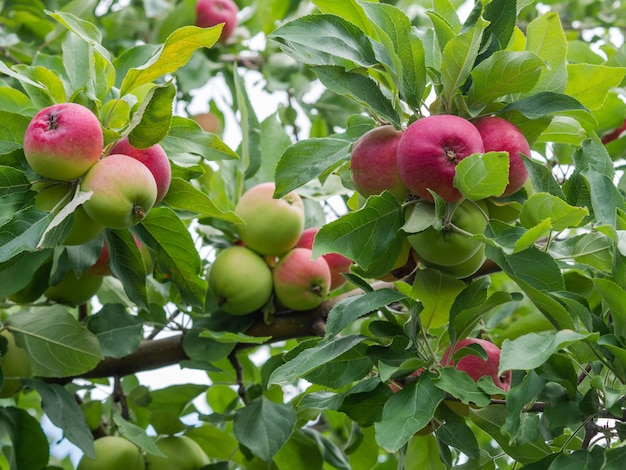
(138, 210)
(52, 122)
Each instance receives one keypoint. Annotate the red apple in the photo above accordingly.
(124, 191)
(614, 134)
(301, 282)
(337, 263)
(475, 366)
(272, 226)
(63, 141)
(209, 122)
(429, 151)
(154, 158)
(373, 163)
(499, 135)
(213, 12)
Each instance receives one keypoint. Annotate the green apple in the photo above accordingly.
(465, 268)
(301, 282)
(271, 226)
(241, 280)
(124, 191)
(73, 290)
(113, 453)
(53, 197)
(15, 364)
(452, 244)
(183, 453)
(63, 141)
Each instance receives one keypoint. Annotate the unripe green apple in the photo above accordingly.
(465, 268)
(113, 453)
(53, 197)
(63, 141)
(74, 290)
(272, 226)
(213, 12)
(15, 364)
(300, 282)
(241, 280)
(183, 453)
(124, 191)
(373, 163)
(154, 158)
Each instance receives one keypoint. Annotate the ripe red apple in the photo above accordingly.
(240, 280)
(212, 12)
(209, 122)
(429, 151)
(272, 226)
(475, 366)
(73, 290)
(614, 134)
(499, 135)
(300, 282)
(53, 197)
(154, 158)
(182, 453)
(373, 163)
(124, 191)
(15, 364)
(113, 452)
(63, 141)
(337, 263)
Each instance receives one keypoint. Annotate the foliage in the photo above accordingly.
(311, 389)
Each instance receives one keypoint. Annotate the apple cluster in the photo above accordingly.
(421, 160)
(272, 260)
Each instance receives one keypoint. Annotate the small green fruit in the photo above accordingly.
(15, 364)
(74, 290)
(113, 453)
(183, 453)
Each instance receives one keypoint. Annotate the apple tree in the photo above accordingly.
(435, 278)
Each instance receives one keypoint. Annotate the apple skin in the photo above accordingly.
(63, 141)
(183, 453)
(614, 134)
(466, 268)
(373, 163)
(124, 191)
(475, 366)
(154, 158)
(213, 12)
(209, 122)
(337, 263)
(300, 282)
(113, 452)
(15, 364)
(272, 226)
(447, 247)
(83, 227)
(241, 280)
(429, 151)
(499, 135)
(72, 290)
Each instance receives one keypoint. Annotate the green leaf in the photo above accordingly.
(182, 195)
(127, 265)
(311, 358)
(460, 385)
(136, 435)
(544, 206)
(308, 159)
(349, 10)
(151, 122)
(21, 77)
(482, 175)
(57, 345)
(12, 129)
(264, 427)
(175, 52)
(615, 297)
(546, 38)
(177, 259)
(118, 332)
(351, 308)
(61, 407)
(408, 411)
(12, 180)
(343, 370)
(590, 84)
(503, 73)
(186, 137)
(235, 338)
(84, 29)
(325, 40)
(548, 103)
(360, 88)
(533, 349)
(250, 129)
(53, 90)
(175, 398)
(30, 445)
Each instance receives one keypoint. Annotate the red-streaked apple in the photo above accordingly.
(213, 12)
(301, 282)
(240, 280)
(429, 151)
(271, 226)
(155, 158)
(337, 263)
(124, 190)
(373, 163)
(63, 141)
(499, 135)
